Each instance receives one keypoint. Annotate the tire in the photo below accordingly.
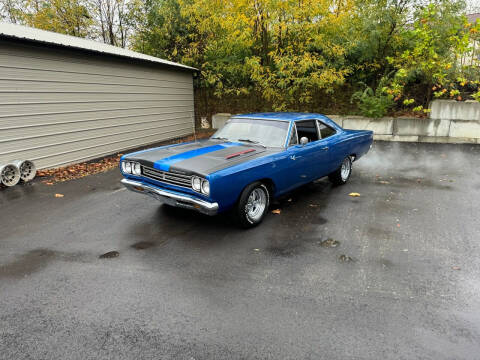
(252, 206)
(342, 174)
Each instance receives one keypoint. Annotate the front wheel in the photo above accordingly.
(341, 175)
(252, 205)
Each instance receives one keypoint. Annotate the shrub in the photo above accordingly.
(374, 104)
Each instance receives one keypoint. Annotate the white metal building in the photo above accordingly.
(65, 99)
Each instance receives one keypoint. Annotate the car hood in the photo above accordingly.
(201, 157)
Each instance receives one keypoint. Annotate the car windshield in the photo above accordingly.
(270, 133)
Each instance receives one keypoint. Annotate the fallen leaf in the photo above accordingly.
(456, 267)
(110, 255)
(330, 243)
(276, 211)
(346, 258)
(354, 194)
(48, 183)
(59, 195)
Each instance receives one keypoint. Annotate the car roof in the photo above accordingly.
(288, 116)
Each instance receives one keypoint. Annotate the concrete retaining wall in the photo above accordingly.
(450, 122)
(462, 127)
(218, 120)
(415, 130)
(455, 110)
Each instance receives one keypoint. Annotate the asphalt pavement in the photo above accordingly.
(391, 274)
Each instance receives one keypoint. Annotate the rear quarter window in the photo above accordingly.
(325, 130)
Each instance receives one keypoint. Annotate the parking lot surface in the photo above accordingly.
(391, 274)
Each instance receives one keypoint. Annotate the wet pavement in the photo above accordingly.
(391, 274)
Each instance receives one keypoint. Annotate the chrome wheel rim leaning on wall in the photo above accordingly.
(346, 168)
(9, 175)
(27, 169)
(256, 204)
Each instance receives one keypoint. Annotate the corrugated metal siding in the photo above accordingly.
(60, 106)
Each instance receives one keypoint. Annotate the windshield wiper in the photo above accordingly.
(252, 142)
(219, 138)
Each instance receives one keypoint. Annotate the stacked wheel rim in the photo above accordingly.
(27, 169)
(9, 175)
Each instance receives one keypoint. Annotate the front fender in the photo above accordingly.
(227, 185)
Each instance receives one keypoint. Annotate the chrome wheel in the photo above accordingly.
(256, 204)
(346, 169)
(27, 170)
(9, 175)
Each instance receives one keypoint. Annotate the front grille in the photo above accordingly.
(167, 177)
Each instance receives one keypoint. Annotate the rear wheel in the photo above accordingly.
(342, 174)
(252, 205)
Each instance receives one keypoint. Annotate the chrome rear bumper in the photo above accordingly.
(172, 198)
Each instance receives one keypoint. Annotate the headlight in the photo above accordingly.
(131, 167)
(128, 167)
(206, 187)
(136, 168)
(196, 183)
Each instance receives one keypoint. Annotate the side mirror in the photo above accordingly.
(303, 141)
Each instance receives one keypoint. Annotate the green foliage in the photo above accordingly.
(374, 104)
(269, 47)
(439, 39)
(378, 30)
(69, 17)
(161, 30)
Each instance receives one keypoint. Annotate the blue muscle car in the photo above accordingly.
(252, 159)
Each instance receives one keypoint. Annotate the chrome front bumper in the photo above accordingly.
(172, 198)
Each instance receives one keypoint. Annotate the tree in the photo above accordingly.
(69, 17)
(439, 38)
(13, 10)
(379, 29)
(285, 50)
(160, 29)
(111, 20)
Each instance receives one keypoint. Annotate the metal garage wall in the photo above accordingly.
(59, 106)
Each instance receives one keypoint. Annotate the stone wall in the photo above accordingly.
(450, 122)
(415, 130)
(455, 110)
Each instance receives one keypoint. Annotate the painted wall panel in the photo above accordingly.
(59, 106)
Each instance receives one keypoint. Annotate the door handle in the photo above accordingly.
(325, 148)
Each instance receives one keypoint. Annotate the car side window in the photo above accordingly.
(308, 129)
(325, 130)
(293, 136)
